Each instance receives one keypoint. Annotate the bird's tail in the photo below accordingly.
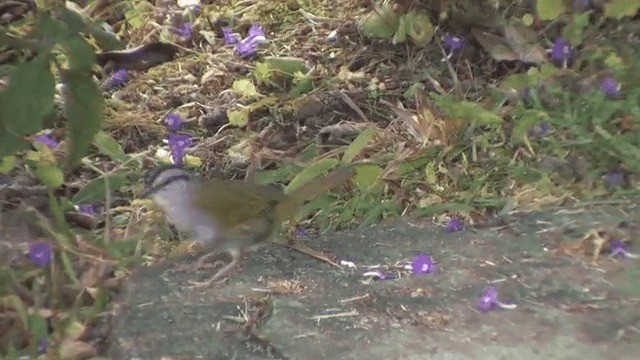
(288, 208)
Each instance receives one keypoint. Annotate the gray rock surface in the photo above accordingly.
(286, 305)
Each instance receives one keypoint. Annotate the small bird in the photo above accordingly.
(230, 215)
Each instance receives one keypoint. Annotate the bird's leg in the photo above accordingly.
(200, 263)
(219, 277)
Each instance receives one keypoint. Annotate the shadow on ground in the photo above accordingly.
(568, 308)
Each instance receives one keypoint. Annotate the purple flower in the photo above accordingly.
(47, 140)
(614, 178)
(118, 78)
(423, 265)
(255, 31)
(40, 253)
(455, 224)
(562, 53)
(301, 232)
(619, 248)
(185, 31)
(174, 122)
(179, 143)
(230, 37)
(489, 300)
(610, 86)
(248, 47)
(454, 43)
(89, 209)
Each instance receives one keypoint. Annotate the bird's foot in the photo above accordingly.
(219, 279)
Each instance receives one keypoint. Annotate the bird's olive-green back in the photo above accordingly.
(234, 202)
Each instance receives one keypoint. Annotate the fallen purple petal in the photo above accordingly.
(256, 32)
(118, 79)
(489, 300)
(230, 38)
(620, 249)
(423, 265)
(455, 224)
(453, 43)
(47, 140)
(610, 87)
(562, 53)
(40, 253)
(185, 31)
(89, 209)
(174, 122)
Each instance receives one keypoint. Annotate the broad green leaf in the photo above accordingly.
(286, 64)
(245, 87)
(550, 9)
(310, 173)
(6, 164)
(367, 177)
(238, 117)
(303, 86)
(109, 146)
(381, 23)
(358, 144)
(28, 98)
(50, 175)
(84, 110)
(621, 8)
(573, 32)
(419, 27)
(95, 190)
(80, 54)
(10, 145)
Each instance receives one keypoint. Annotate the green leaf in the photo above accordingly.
(10, 145)
(239, 117)
(245, 87)
(7, 164)
(28, 98)
(573, 32)
(50, 175)
(367, 177)
(95, 191)
(303, 85)
(525, 120)
(286, 64)
(80, 53)
(419, 27)
(381, 23)
(109, 146)
(84, 110)
(311, 172)
(621, 8)
(401, 34)
(358, 144)
(68, 267)
(550, 9)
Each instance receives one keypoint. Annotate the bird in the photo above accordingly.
(229, 215)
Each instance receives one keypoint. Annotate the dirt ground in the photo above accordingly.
(287, 305)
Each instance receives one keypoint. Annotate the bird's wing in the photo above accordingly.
(234, 202)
